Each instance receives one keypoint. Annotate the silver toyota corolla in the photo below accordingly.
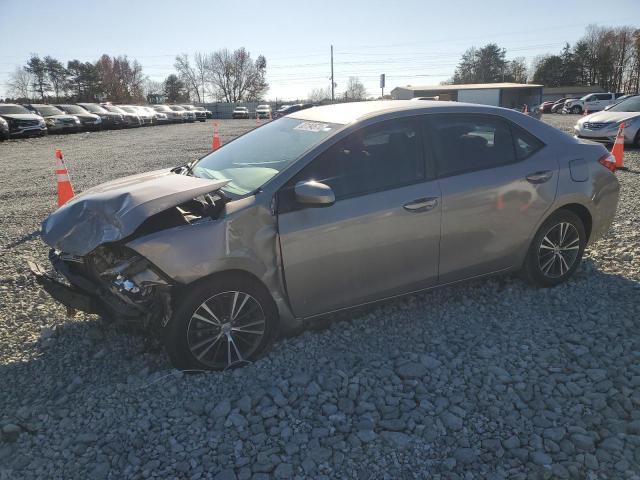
(326, 209)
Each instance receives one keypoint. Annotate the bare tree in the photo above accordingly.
(355, 89)
(235, 76)
(188, 75)
(319, 94)
(201, 62)
(19, 83)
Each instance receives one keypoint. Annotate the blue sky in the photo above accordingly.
(412, 42)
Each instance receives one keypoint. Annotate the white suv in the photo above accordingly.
(594, 102)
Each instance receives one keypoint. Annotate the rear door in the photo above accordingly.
(380, 238)
(497, 181)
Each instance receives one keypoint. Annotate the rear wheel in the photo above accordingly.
(223, 323)
(556, 250)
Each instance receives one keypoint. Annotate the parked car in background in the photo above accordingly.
(145, 117)
(263, 111)
(287, 109)
(57, 121)
(109, 119)
(559, 104)
(201, 115)
(240, 112)
(131, 120)
(208, 113)
(158, 117)
(22, 122)
(88, 121)
(594, 102)
(299, 229)
(545, 107)
(620, 99)
(4, 129)
(172, 115)
(604, 126)
(187, 116)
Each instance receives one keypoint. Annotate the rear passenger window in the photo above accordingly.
(471, 142)
(525, 143)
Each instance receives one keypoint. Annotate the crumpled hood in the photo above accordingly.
(112, 211)
(607, 116)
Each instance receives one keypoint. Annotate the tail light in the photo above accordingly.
(608, 161)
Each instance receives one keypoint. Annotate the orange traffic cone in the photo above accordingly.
(65, 189)
(270, 117)
(215, 141)
(525, 110)
(257, 119)
(618, 148)
(586, 111)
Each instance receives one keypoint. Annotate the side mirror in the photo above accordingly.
(314, 193)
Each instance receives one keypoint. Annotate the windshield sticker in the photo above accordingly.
(313, 127)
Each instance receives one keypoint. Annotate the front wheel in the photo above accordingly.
(556, 250)
(223, 323)
(576, 109)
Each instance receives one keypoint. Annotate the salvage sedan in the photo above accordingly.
(603, 126)
(323, 210)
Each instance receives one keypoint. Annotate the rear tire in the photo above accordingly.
(556, 250)
(223, 322)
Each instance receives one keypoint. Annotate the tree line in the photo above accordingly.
(605, 56)
(223, 75)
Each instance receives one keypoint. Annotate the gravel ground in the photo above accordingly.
(489, 379)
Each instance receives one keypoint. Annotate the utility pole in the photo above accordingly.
(333, 97)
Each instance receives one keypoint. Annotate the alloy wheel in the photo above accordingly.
(226, 329)
(558, 250)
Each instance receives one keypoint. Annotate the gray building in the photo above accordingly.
(509, 95)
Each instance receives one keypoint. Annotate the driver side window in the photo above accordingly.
(374, 158)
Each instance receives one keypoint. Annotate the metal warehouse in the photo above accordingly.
(509, 95)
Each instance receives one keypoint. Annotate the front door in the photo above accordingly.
(497, 182)
(379, 239)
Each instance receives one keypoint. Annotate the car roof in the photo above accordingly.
(345, 113)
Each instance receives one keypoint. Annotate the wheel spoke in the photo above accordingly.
(564, 263)
(206, 320)
(547, 266)
(213, 315)
(549, 245)
(235, 314)
(211, 342)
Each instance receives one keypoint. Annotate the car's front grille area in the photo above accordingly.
(26, 123)
(596, 125)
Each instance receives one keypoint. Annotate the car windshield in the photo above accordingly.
(9, 109)
(263, 107)
(258, 156)
(629, 105)
(72, 109)
(114, 109)
(93, 108)
(242, 109)
(48, 110)
(200, 109)
(127, 109)
(176, 108)
(161, 108)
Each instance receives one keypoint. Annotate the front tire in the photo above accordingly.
(576, 109)
(224, 322)
(556, 250)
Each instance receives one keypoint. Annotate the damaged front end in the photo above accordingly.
(94, 270)
(113, 282)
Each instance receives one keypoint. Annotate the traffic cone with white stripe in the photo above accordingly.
(618, 148)
(215, 141)
(65, 189)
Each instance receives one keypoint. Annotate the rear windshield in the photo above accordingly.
(9, 109)
(256, 157)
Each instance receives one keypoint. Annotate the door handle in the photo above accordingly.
(421, 205)
(539, 177)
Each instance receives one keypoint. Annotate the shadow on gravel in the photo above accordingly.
(24, 239)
